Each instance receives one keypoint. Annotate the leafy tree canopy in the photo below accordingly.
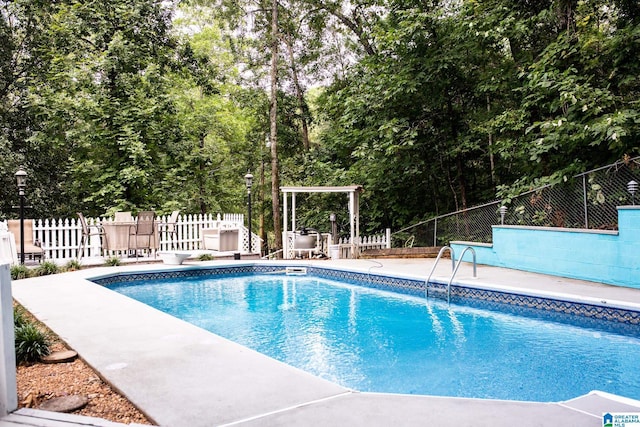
(431, 106)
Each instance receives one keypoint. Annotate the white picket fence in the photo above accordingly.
(376, 241)
(60, 238)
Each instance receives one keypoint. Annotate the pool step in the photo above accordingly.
(436, 291)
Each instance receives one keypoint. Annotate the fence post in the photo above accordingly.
(435, 232)
(8, 391)
(584, 201)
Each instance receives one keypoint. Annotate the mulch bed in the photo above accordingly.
(41, 382)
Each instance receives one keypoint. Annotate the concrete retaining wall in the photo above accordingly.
(611, 257)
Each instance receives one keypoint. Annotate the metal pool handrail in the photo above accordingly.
(458, 266)
(442, 250)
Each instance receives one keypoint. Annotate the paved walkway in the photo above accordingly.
(181, 375)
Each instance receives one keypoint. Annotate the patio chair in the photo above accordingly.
(144, 226)
(32, 248)
(410, 241)
(87, 232)
(123, 217)
(170, 227)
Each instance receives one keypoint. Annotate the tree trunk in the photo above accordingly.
(201, 174)
(453, 120)
(492, 164)
(263, 231)
(302, 106)
(462, 184)
(273, 116)
(357, 29)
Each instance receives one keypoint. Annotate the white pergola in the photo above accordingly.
(354, 212)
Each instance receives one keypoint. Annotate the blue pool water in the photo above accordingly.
(371, 340)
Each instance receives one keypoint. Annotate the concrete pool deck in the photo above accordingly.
(181, 375)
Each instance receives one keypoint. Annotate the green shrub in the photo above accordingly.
(20, 272)
(112, 261)
(47, 268)
(31, 343)
(19, 318)
(73, 265)
(206, 257)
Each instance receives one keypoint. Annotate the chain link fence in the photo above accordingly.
(589, 200)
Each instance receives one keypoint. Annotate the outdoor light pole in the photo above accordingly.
(21, 178)
(503, 212)
(332, 218)
(632, 187)
(248, 179)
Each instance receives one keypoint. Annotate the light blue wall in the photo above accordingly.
(611, 257)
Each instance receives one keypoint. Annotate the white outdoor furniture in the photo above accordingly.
(220, 239)
(174, 257)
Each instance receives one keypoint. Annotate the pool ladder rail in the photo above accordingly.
(454, 268)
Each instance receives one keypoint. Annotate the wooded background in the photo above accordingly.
(431, 106)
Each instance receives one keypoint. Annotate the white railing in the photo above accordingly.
(60, 238)
(8, 253)
(376, 241)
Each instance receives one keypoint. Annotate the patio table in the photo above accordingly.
(118, 236)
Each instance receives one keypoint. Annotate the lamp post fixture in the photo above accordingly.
(248, 179)
(503, 212)
(632, 187)
(334, 230)
(21, 179)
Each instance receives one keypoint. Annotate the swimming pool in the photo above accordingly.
(372, 340)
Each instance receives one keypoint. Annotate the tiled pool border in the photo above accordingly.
(401, 285)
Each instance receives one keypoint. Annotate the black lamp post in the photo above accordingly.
(248, 179)
(21, 178)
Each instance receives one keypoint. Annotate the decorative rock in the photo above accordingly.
(64, 403)
(60, 357)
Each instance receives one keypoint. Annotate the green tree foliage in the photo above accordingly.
(111, 109)
(216, 122)
(457, 103)
(105, 101)
(23, 58)
(431, 106)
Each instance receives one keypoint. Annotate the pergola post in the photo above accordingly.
(356, 208)
(352, 224)
(293, 211)
(285, 230)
